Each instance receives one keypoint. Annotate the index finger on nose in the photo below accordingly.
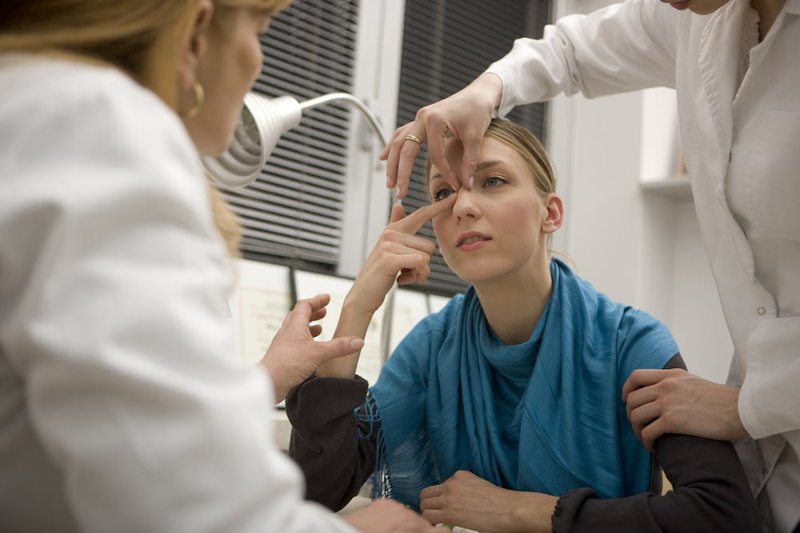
(413, 222)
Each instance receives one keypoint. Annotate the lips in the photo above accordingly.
(471, 237)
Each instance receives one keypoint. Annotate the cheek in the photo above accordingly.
(438, 228)
(440, 231)
(519, 215)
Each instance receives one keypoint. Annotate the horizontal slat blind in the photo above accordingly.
(446, 45)
(293, 212)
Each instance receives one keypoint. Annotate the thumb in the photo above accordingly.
(338, 347)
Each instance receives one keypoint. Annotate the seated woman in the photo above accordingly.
(504, 411)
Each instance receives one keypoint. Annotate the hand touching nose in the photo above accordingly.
(399, 255)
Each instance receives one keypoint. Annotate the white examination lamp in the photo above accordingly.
(262, 122)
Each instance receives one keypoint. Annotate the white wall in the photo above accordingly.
(636, 246)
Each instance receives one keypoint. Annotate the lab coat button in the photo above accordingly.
(761, 310)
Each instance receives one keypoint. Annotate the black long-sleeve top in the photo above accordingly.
(710, 491)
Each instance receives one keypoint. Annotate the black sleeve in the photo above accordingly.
(325, 439)
(710, 493)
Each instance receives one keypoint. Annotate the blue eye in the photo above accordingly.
(493, 181)
(442, 194)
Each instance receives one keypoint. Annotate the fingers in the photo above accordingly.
(319, 314)
(653, 431)
(398, 213)
(469, 162)
(644, 415)
(413, 222)
(438, 155)
(430, 492)
(640, 397)
(307, 311)
(338, 347)
(396, 147)
(405, 165)
(644, 378)
(418, 275)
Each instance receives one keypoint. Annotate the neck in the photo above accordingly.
(768, 11)
(514, 303)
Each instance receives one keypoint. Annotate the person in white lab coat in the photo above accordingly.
(122, 404)
(734, 65)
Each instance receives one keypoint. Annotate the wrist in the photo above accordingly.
(354, 307)
(535, 513)
(491, 85)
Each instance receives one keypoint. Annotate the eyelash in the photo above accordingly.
(438, 198)
(489, 181)
(497, 181)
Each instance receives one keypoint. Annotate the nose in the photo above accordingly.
(466, 204)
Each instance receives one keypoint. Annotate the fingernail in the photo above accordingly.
(471, 181)
(356, 344)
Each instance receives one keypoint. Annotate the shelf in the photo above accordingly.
(673, 187)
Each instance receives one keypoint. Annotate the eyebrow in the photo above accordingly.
(481, 166)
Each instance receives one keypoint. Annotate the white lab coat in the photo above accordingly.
(742, 153)
(122, 406)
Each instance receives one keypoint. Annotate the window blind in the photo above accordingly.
(447, 44)
(293, 211)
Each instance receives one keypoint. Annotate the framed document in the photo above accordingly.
(310, 284)
(260, 302)
(409, 308)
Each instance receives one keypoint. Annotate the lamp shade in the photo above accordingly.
(261, 124)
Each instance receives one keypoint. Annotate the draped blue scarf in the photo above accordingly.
(544, 416)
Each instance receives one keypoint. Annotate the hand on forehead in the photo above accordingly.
(454, 153)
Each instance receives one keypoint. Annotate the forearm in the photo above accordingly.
(623, 47)
(353, 321)
(710, 494)
(325, 442)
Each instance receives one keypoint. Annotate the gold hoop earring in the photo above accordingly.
(199, 98)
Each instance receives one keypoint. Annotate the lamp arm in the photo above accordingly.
(388, 313)
(333, 97)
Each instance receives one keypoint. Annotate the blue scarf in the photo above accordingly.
(544, 416)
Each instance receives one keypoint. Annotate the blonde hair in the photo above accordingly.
(143, 38)
(529, 147)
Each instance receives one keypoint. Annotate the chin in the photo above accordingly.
(213, 147)
(706, 8)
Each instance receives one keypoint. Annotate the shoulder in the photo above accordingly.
(104, 136)
(95, 107)
(98, 168)
(638, 339)
(29, 86)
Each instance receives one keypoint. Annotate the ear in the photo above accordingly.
(195, 49)
(554, 208)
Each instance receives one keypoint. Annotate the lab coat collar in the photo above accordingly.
(793, 7)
